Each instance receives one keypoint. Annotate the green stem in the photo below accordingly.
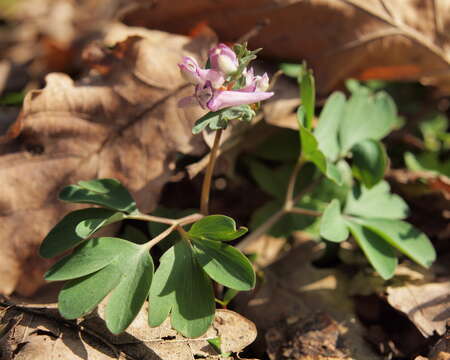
(289, 201)
(302, 211)
(206, 187)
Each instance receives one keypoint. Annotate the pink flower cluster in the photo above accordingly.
(211, 85)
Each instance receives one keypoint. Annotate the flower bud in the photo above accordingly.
(223, 59)
(262, 82)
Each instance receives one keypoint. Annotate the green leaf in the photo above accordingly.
(291, 70)
(109, 193)
(127, 272)
(216, 227)
(405, 238)
(86, 228)
(369, 162)
(333, 226)
(216, 344)
(427, 161)
(181, 287)
(216, 120)
(311, 152)
(366, 117)
(80, 296)
(64, 236)
(225, 264)
(326, 131)
(376, 202)
(130, 294)
(379, 253)
(91, 256)
(307, 95)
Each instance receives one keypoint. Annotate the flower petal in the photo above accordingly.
(223, 99)
(223, 59)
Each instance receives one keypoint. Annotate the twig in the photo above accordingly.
(255, 30)
(289, 201)
(206, 187)
(303, 211)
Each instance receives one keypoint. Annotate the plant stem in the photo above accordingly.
(289, 201)
(175, 225)
(206, 187)
(184, 221)
(302, 211)
(158, 219)
(160, 237)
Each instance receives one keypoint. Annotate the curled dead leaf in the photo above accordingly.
(38, 332)
(386, 39)
(124, 124)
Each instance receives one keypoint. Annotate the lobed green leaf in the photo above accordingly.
(369, 162)
(379, 253)
(225, 264)
(216, 227)
(405, 237)
(64, 236)
(376, 202)
(109, 193)
(110, 264)
(327, 128)
(333, 226)
(181, 287)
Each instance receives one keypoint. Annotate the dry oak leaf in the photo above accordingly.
(38, 332)
(384, 39)
(124, 124)
(293, 289)
(427, 305)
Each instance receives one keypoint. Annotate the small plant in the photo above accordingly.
(181, 287)
(340, 191)
(344, 192)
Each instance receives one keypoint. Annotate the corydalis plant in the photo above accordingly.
(181, 287)
(227, 88)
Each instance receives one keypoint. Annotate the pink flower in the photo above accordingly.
(212, 99)
(193, 73)
(214, 88)
(223, 59)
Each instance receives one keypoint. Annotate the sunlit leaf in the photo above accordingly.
(225, 264)
(64, 236)
(216, 227)
(405, 238)
(379, 253)
(326, 131)
(181, 287)
(376, 202)
(109, 193)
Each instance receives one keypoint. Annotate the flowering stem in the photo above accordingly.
(289, 201)
(206, 187)
(176, 224)
(302, 211)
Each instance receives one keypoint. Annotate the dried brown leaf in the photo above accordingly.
(124, 124)
(293, 290)
(38, 332)
(427, 305)
(384, 39)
